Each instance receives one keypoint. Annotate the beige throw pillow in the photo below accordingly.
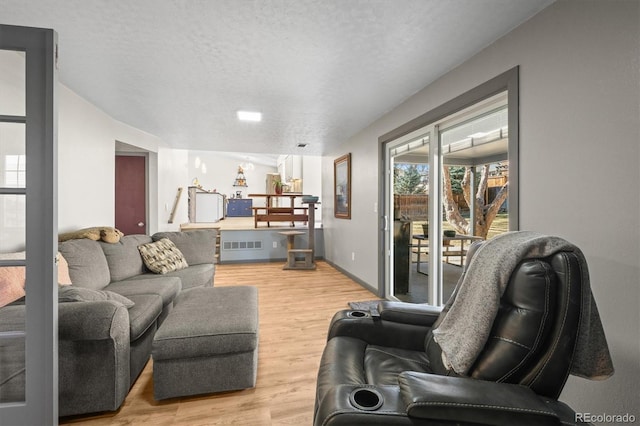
(63, 271)
(162, 256)
(12, 278)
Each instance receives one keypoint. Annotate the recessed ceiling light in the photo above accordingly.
(249, 116)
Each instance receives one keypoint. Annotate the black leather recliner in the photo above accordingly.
(384, 367)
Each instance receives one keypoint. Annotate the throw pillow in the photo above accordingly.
(70, 293)
(63, 271)
(12, 279)
(162, 256)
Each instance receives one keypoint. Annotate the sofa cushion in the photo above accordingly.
(71, 293)
(162, 256)
(193, 276)
(197, 246)
(164, 286)
(123, 257)
(143, 314)
(87, 264)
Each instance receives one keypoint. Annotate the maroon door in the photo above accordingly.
(131, 215)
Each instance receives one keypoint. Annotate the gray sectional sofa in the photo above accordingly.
(104, 344)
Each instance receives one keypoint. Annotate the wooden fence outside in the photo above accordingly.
(416, 206)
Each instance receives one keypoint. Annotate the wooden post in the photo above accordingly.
(312, 230)
(175, 205)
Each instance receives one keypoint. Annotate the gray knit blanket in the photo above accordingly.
(463, 332)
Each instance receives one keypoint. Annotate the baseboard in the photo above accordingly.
(362, 283)
(269, 260)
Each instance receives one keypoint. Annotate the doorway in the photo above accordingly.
(131, 194)
(450, 180)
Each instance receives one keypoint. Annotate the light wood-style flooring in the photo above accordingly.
(295, 310)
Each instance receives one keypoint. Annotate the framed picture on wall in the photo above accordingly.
(342, 187)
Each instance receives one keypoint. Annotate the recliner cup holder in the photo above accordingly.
(357, 314)
(366, 399)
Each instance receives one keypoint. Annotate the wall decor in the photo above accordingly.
(342, 187)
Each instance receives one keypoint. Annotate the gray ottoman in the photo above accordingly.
(208, 343)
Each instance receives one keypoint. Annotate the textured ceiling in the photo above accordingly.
(319, 71)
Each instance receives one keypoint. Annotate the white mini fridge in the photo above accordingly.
(205, 206)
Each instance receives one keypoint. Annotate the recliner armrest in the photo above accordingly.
(409, 313)
(375, 331)
(459, 399)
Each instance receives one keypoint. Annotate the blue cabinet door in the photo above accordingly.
(239, 207)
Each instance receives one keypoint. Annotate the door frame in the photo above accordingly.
(41, 222)
(507, 81)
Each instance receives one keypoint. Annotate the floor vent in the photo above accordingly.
(242, 245)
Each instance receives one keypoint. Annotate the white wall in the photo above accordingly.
(86, 168)
(173, 173)
(579, 174)
(86, 164)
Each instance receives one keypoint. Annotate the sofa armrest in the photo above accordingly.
(98, 320)
(93, 356)
(409, 313)
(459, 399)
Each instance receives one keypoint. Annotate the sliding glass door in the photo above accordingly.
(449, 181)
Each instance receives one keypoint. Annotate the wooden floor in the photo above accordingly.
(295, 310)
